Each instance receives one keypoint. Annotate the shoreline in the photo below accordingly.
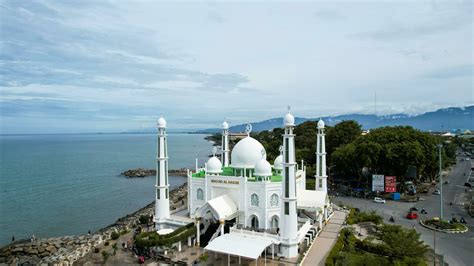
(74, 247)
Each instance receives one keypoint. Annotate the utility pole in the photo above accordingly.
(440, 183)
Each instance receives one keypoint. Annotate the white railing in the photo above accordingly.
(303, 230)
(275, 238)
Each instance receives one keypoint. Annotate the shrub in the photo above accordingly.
(114, 235)
(106, 243)
(144, 219)
(96, 250)
(355, 216)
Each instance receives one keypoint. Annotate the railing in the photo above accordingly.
(303, 230)
(275, 238)
(218, 231)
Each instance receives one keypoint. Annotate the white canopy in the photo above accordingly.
(239, 245)
(223, 207)
(311, 199)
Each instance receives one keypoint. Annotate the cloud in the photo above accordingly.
(452, 72)
(214, 16)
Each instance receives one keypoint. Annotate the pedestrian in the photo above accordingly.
(182, 202)
(89, 232)
(13, 238)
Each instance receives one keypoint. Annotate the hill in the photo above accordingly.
(450, 118)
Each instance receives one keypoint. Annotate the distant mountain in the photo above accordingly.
(451, 118)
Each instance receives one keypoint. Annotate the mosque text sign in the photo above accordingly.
(234, 182)
(390, 184)
(378, 183)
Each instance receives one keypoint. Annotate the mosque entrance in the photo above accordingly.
(254, 222)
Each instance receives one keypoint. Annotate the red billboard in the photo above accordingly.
(390, 184)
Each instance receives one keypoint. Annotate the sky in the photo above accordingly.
(114, 66)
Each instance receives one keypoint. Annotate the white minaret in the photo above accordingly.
(321, 177)
(225, 144)
(289, 219)
(162, 204)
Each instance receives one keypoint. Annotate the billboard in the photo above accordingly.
(378, 183)
(390, 184)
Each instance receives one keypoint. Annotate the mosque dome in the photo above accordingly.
(289, 120)
(278, 163)
(320, 123)
(214, 165)
(225, 125)
(247, 152)
(263, 168)
(161, 123)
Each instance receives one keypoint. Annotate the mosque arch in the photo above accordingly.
(274, 221)
(274, 200)
(254, 222)
(199, 194)
(254, 200)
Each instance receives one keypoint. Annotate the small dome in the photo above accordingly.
(246, 153)
(278, 163)
(289, 120)
(263, 168)
(161, 123)
(214, 165)
(320, 123)
(225, 125)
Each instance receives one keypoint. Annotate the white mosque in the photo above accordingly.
(242, 200)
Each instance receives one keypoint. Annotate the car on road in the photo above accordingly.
(412, 215)
(437, 192)
(467, 185)
(413, 209)
(379, 200)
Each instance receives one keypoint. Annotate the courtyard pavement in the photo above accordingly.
(323, 244)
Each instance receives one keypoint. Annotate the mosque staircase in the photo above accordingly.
(206, 237)
(216, 234)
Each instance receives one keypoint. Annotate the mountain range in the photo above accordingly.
(451, 118)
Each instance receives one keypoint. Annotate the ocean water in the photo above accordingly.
(53, 185)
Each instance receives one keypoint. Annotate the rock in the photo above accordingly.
(51, 249)
(41, 249)
(17, 249)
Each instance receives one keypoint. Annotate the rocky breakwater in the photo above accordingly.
(141, 172)
(68, 249)
(58, 250)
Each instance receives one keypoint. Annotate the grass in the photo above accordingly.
(439, 224)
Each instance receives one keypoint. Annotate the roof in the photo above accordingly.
(246, 153)
(223, 207)
(239, 245)
(311, 199)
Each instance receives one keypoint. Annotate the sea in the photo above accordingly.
(55, 185)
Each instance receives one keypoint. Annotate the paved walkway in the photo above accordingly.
(325, 241)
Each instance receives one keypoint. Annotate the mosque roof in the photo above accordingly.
(246, 153)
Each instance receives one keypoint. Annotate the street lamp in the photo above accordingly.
(440, 184)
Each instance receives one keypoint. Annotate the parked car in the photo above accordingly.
(437, 192)
(467, 185)
(379, 200)
(412, 215)
(413, 209)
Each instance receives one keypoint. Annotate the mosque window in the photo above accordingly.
(254, 200)
(287, 182)
(287, 208)
(320, 183)
(200, 194)
(166, 193)
(274, 200)
(158, 194)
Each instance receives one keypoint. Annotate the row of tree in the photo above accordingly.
(386, 150)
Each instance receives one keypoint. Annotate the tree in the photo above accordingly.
(114, 248)
(341, 134)
(402, 244)
(105, 255)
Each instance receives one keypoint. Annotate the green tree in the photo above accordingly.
(341, 134)
(402, 244)
(114, 248)
(105, 255)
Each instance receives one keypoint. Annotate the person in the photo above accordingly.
(89, 232)
(391, 219)
(13, 238)
(182, 202)
(33, 238)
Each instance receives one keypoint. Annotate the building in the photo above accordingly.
(233, 195)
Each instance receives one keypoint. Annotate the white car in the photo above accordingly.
(379, 200)
(437, 192)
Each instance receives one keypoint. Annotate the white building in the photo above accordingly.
(247, 193)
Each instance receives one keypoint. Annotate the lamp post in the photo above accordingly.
(440, 183)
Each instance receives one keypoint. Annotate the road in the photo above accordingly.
(458, 249)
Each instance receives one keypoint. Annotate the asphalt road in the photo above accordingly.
(458, 249)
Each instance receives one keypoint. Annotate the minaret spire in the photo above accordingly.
(162, 202)
(289, 225)
(321, 177)
(225, 143)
